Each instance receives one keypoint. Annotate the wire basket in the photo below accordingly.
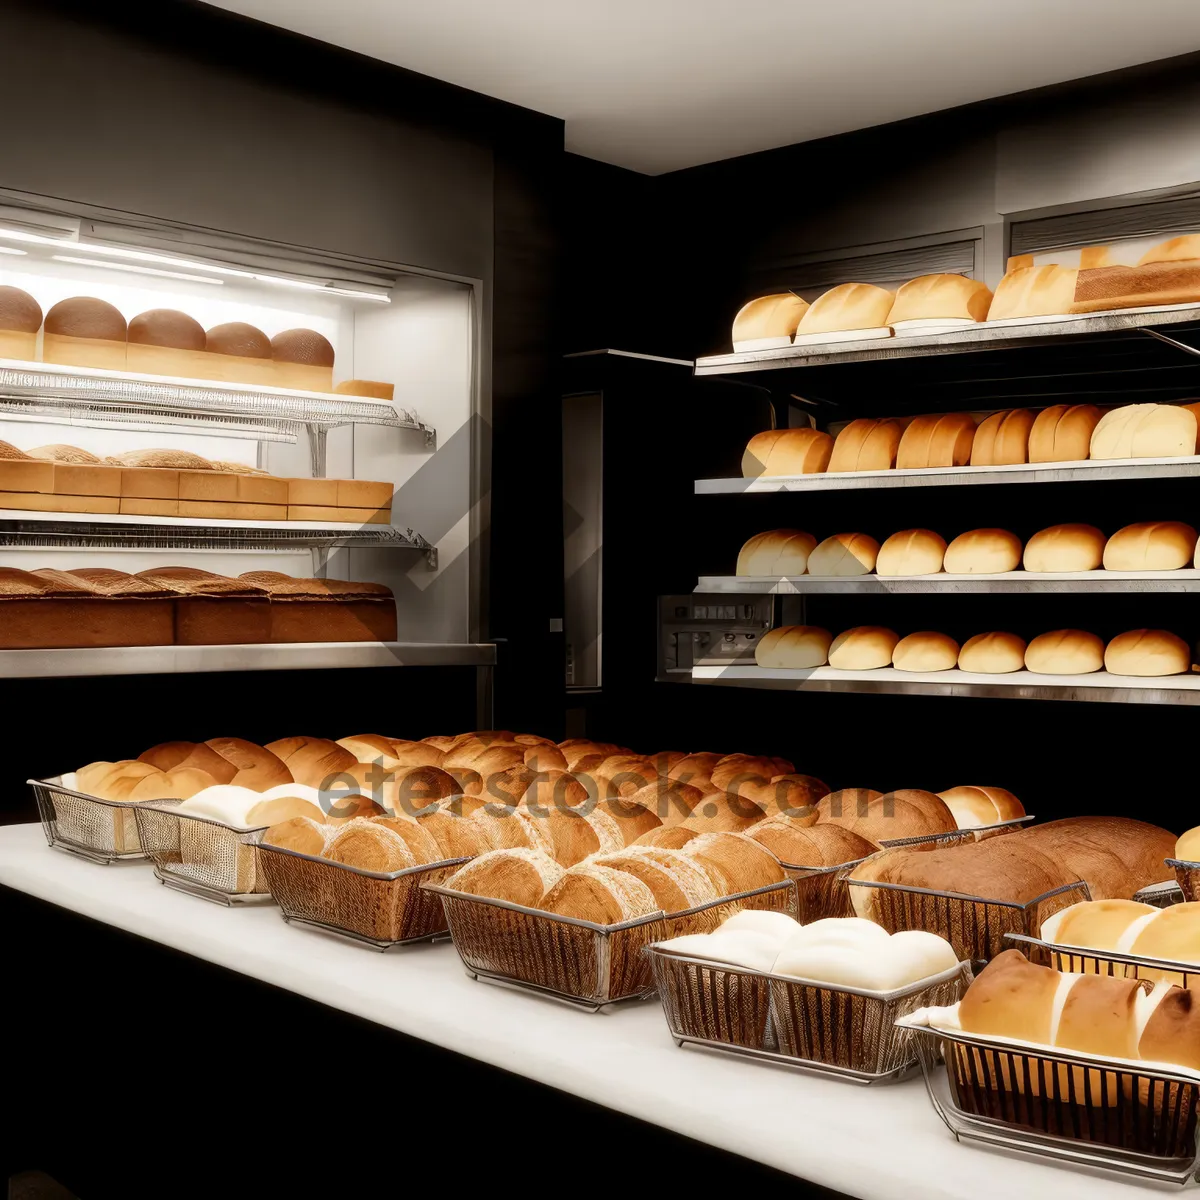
(1138, 1119)
(974, 925)
(102, 831)
(586, 964)
(956, 837)
(1161, 895)
(377, 908)
(1187, 875)
(847, 1032)
(202, 856)
(821, 891)
(1083, 960)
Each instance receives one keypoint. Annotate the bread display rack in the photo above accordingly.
(1004, 583)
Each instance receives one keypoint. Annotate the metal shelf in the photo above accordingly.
(299, 656)
(1020, 685)
(1072, 472)
(1006, 583)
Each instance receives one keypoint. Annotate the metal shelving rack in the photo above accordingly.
(1008, 583)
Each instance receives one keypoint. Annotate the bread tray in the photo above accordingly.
(1188, 876)
(821, 891)
(102, 831)
(1137, 1119)
(812, 1026)
(202, 856)
(955, 837)
(974, 925)
(1086, 960)
(585, 964)
(376, 908)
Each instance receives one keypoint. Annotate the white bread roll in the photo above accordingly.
(863, 649)
(866, 445)
(983, 552)
(1002, 438)
(925, 652)
(1150, 546)
(225, 802)
(1094, 924)
(1187, 849)
(929, 297)
(794, 647)
(936, 441)
(847, 306)
(1169, 934)
(799, 451)
(776, 552)
(844, 554)
(1147, 652)
(775, 925)
(1145, 431)
(976, 806)
(768, 322)
(1184, 248)
(841, 952)
(992, 654)
(1063, 433)
(1030, 291)
(912, 552)
(744, 948)
(1065, 548)
(1065, 652)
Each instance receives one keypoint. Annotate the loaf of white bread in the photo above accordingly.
(1145, 431)
(942, 440)
(776, 552)
(799, 451)
(1063, 433)
(846, 307)
(941, 297)
(1065, 549)
(1002, 438)
(1151, 546)
(866, 445)
(992, 654)
(1033, 291)
(767, 322)
(844, 554)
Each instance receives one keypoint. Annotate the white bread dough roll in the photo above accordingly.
(863, 648)
(925, 652)
(844, 554)
(911, 552)
(222, 802)
(794, 647)
(769, 924)
(992, 654)
(983, 552)
(1065, 549)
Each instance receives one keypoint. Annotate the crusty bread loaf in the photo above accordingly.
(602, 895)
(1030, 291)
(983, 552)
(369, 846)
(1002, 438)
(19, 311)
(724, 812)
(1147, 652)
(824, 844)
(911, 552)
(239, 339)
(972, 807)
(795, 796)
(925, 652)
(166, 756)
(457, 836)
(671, 800)
(518, 876)
(863, 648)
(1151, 546)
(1145, 431)
(847, 306)
(695, 767)
(511, 830)
(301, 834)
(798, 451)
(941, 296)
(676, 881)
(794, 647)
(734, 862)
(1146, 285)
(576, 835)
(734, 769)
(1065, 652)
(844, 554)
(167, 327)
(992, 654)
(866, 445)
(908, 813)
(767, 322)
(370, 748)
(226, 760)
(632, 819)
(302, 346)
(313, 761)
(943, 440)
(86, 317)
(420, 842)
(668, 837)
(776, 552)
(1063, 433)
(1065, 548)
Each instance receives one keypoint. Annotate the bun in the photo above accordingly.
(518, 876)
(821, 845)
(1150, 546)
(734, 862)
(847, 306)
(936, 441)
(312, 761)
(1145, 431)
(590, 892)
(300, 834)
(983, 552)
(1147, 652)
(912, 552)
(939, 296)
(19, 311)
(1002, 438)
(844, 554)
(167, 327)
(253, 766)
(767, 322)
(777, 552)
(239, 339)
(415, 836)
(1065, 549)
(272, 810)
(369, 846)
(65, 454)
(675, 881)
(1030, 291)
(1065, 652)
(866, 445)
(799, 451)
(303, 346)
(863, 649)
(976, 806)
(1063, 433)
(86, 317)
(992, 654)
(925, 652)
(794, 647)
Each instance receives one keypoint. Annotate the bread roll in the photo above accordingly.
(168, 755)
(794, 647)
(167, 327)
(510, 830)
(104, 779)
(1032, 291)
(300, 834)
(777, 552)
(344, 808)
(912, 552)
(456, 836)
(734, 769)
(420, 842)
(601, 895)
(671, 800)
(1147, 652)
(1063, 433)
(794, 796)
(992, 654)
(1002, 438)
(695, 767)
(936, 441)
(734, 862)
(239, 339)
(768, 322)
(178, 784)
(576, 748)
(668, 837)
(821, 845)
(799, 451)
(370, 748)
(724, 812)
(518, 876)
(844, 554)
(847, 306)
(1145, 431)
(303, 346)
(416, 754)
(20, 320)
(972, 807)
(983, 552)
(1151, 546)
(1065, 652)
(863, 649)
(676, 881)
(1064, 549)
(312, 761)
(866, 445)
(925, 652)
(941, 296)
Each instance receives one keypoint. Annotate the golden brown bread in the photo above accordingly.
(313, 761)
(86, 317)
(57, 452)
(943, 440)
(1002, 438)
(1172, 1034)
(304, 346)
(633, 819)
(519, 876)
(590, 892)
(255, 768)
(724, 812)
(301, 834)
(866, 445)
(821, 845)
(238, 338)
(420, 842)
(167, 327)
(19, 311)
(667, 837)
(283, 808)
(456, 836)
(576, 835)
(1063, 432)
(738, 768)
(416, 754)
(735, 863)
(1011, 998)
(676, 881)
(906, 813)
(798, 451)
(369, 846)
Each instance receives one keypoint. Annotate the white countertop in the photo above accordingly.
(878, 1143)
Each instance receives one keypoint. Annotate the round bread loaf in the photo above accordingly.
(1065, 652)
(553, 791)
(695, 767)
(632, 819)
(1065, 548)
(767, 322)
(86, 317)
(671, 800)
(799, 451)
(724, 812)
(312, 761)
(676, 881)
(576, 835)
(19, 311)
(992, 654)
(820, 845)
(284, 801)
(416, 837)
(456, 836)
(1147, 652)
(305, 346)
(776, 552)
(737, 768)
(238, 338)
(590, 892)
(907, 813)
(734, 862)
(941, 295)
(369, 847)
(983, 552)
(936, 441)
(863, 649)
(794, 647)
(370, 748)
(668, 837)
(518, 876)
(167, 327)
(1002, 438)
(975, 806)
(65, 454)
(911, 552)
(847, 306)
(1151, 546)
(416, 754)
(513, 830)
(844, 554)
(794, 796)
(179, 784)
(866, 445)
(253, 766)
(346, 808)
(1063, 433)
(925, 652)
(300, 834)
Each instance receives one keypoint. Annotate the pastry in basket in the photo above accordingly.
(591, 892)
(520, 876)
(676, 880)
(315, 761)
(671, 800)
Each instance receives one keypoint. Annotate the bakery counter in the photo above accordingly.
(1002, 583)
(882, 1143)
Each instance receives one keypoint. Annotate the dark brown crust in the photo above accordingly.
(305, 346)
(86, 317)
(238, 338)
(167, 327)
(19, 311)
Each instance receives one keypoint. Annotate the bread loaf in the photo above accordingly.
(936, 441)
(847, 306)
(1063, 433)
(734, 862)
(844, 554)
(366, 387)
(20, 320)
(1147, 652)
(992, 654)
(277, 807)
(794, 647)
(1065, 652)
(1184, 248)
(777, 552)
(799, 451)
(863, 649)
(1065, 549)
(57, 452)
(847, 802)
(768, 322)
(907, 813)
(724, 812)
(1145, 431)
(668, 837)
(601, 895)
(239, 339)
(370, 747)
(1030, 291)
(734, 769)
(631, 818)
(303, 360)
(925, 652)
(1150, 546)
(930, 297)
(576, 835)
(866, 445)
(824, 844)
(912, 552)
(671, 800)
(972, 807)
(1002, 438)
(416, 837)
(518, 876)
(313, 761)
(456, 836)
(85, 332)
(676, 881)
(300, 834)
(983, 552)
(1147, 285)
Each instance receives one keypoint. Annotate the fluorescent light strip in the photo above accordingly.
(107, 266)
(12, 250)
(19, 235)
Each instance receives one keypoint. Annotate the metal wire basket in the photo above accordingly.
(1083, 960)
(842, 1031)
(381, 909)
(586, 964)
(1137, 1119)
(956, 837)
(974, 925)
(821, 891)
(201, 856)
(102, 831)
(1161, 895)
(1187, 874)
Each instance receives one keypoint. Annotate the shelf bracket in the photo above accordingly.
(1170, 341)
(431, 558)
(317, 439)
(430, 436)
